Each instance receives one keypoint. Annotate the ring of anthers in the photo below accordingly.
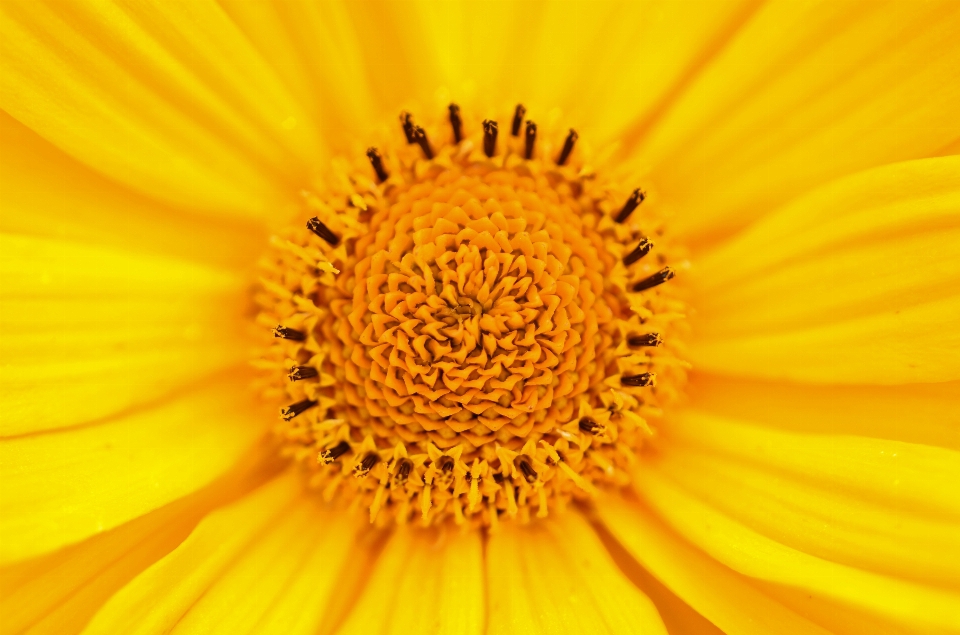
(470, 332)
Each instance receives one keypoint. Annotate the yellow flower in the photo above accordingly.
(802, 155)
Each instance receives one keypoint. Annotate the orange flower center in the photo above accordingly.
(472, 331)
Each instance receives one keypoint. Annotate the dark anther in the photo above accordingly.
(293, 410)
(302, 372)
(643, 379)
(647, 339)
(531, 138)
(498, 478)
(445, 463)
(656, 279)
(332, 454)
(567, 147)
(456, 123)
(642, 250)
(420, 136)
(523, 463)
(406, 120)
(489, 137)
(289, 334)
(366, 465)
(322, 231)
(377, 162)
(403, 470)
(517, 120)
(590, 426)
(632, 203)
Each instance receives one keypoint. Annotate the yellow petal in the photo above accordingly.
(263, 572)
(160, 596)
(555, 576)
(721, 595)
(806, 92)
(318, 53)
(819, 520)
(752, 554)
(854, 283)
(48, 193)
(90, 331)
(423, 582)
(919, 478)
(59, 592)
(926, 414)
(168, 99)
(62, 487)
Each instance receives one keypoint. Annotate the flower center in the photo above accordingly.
(470, 331)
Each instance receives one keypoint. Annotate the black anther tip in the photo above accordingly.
(289, 334)
(293, 410)
(420, 137)
(568, 147)
(655, 280)
(632, 203)
(517, 120)
(639, 252)
(322, 231)
(377, 162)
(302, 372)
(406, 120)
(489, 137)
(647, 339)
(638, 381)
(531, 138)
(456, 123)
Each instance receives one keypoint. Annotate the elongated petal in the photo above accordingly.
(854, 283)
(804, 93)
(62, 487)
(423, 582)
(720, 594)
(48, 193)
(59, 592)
(817, 520)
(925, 414)
(168, 99)
(555, 576)
(158, 599)
(755, 555)
(89, 331)
(917, 477)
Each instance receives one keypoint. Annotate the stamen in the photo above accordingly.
(420, 137)
(322, 231)
(655, 280)
(648, 339)
(456, 123)
(364, 467)
(632, 203)
(377, 162)
(523, 463)
(330, 455)
(406, 120)
(567, 147)
(293, 410)
(445, 464)
(590, 426)
(403, 470)
(517, 120)
(643, 379)
(641, 250)
(489, 137)
(302, 372)
(289, 334)
(531, 138)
